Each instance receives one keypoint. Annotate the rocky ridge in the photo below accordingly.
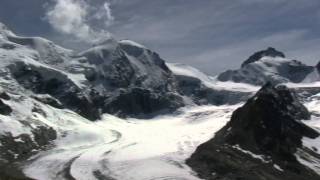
(260, 141)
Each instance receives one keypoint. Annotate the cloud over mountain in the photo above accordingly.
(80, 19)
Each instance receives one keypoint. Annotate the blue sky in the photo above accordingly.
(212, 35)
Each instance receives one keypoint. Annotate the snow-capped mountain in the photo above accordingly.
(119, 111)
(271, 65)
(99, 79)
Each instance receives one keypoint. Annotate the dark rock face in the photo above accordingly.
(5, 96)
(271, 52)
(267, 125)
(59, 87)
(14, 150)
(49, 100)
(4, 108)
(318, 66)
(270, 117)
(140, 102)
(201, 95)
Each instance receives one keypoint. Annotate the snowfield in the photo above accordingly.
(129, 149)
(135, 149)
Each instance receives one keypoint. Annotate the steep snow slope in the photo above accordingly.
(185, 70)
(211, 82)
(314, 76)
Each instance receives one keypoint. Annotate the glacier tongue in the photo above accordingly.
(128, 149)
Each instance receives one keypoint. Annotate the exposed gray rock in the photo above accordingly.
(267, 125)
(139, 102)
(14, 150)
(47, 99)
(4, 108)
(5, 96)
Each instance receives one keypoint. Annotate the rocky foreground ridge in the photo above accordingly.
(262, 141)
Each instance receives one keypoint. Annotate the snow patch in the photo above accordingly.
(277, 167)
(260, 157)
(132, 43)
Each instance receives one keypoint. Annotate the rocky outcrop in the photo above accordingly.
(138, 102)
(16, 149)
(318, 67)
(52, 82)
(4, 108)
(5, 96)
(270, 52)
(260, 141)
(47, 99)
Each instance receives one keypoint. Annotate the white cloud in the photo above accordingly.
(104, 13)
(73, 17)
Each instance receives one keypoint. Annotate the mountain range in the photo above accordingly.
(119, 111)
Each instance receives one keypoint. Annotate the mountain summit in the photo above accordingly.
(270, 52)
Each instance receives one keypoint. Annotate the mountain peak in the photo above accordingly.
(269, 65)
(268, 127)
(270, 51)
(270, 115)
